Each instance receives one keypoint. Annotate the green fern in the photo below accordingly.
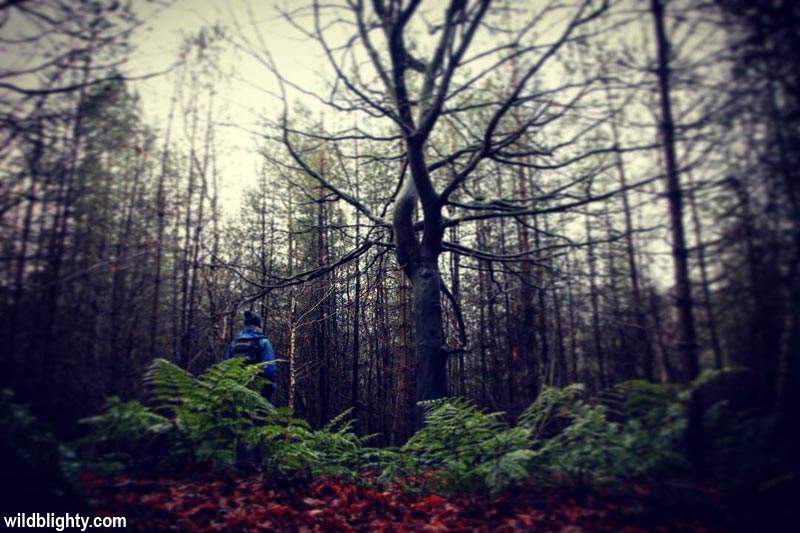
(633, 429)
(221, 417)
(508, 459)
(39, 474)
(169, 386)
(203, 418)
(648, 402)
(456, 439)
(128, 425)
(553, 409)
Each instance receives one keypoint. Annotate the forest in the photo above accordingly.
(523, 265)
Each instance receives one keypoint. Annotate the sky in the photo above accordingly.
(243, 88)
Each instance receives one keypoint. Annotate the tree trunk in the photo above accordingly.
(705, 284)
(404, 411)
(573, 322)
(7, 358)
(197, 239)
(594, 298)
(541, 315)
(60, 230)
(686, 341)
(321, 324)
(186, 267)
(161, 211)
(686, 328)
(356, 338)
(431, 355)
(646, 368)
(420, 262)
(292, 356)
(117, 367)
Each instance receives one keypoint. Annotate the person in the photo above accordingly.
(253, 345)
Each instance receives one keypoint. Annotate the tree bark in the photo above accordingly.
(594, 298)
(161, 212)
(686, 341)
(646, 365)
(431, 357)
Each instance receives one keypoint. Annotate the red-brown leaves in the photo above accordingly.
(226, 502)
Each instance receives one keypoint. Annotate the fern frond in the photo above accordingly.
(551, 406)
(710, 375)
(169, 385)
(341, 420)
(640, 399)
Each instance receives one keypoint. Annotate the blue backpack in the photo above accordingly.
(251, 349)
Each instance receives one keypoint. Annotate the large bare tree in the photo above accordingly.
(491, 80)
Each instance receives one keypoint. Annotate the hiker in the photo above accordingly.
(251, 344)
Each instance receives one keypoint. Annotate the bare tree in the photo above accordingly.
(421, 97)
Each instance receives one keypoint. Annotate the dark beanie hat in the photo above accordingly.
(252, 319)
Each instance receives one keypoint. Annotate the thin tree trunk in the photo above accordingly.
(161, 211)
(541, 313)
(622, 366)
(60, 227)
(594, 297)
(686, 341)
(483, 301)
(7, 359)
(292, 356)
(403, 420)
(357, 309)
(189, 333)
(117, 363)
(573, 341)
(646, 369)
(187, 248)
(705, 285)
(322, 345)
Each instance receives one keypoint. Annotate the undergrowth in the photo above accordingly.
(634, 429)
(38, 472)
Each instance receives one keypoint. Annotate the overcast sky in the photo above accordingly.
(243, 89)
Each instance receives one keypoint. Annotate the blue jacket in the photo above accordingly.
(252, 332)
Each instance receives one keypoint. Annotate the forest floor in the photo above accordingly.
(252, 501)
